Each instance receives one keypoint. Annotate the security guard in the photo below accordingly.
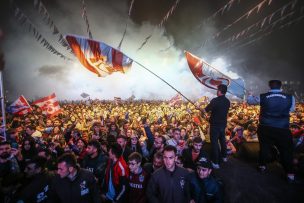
(274, 127)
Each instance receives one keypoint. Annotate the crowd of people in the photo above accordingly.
(136, 151)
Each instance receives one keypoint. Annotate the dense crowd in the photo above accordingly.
(120, 146)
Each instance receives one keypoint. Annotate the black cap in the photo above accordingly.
(204, 162)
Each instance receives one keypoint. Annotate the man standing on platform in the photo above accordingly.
(274, 127)
(219, 108)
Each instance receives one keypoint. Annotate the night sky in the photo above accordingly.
(33, 71)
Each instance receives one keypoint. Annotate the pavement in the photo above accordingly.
(243, 183)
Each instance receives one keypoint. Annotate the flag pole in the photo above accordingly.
(1, 89)
(164, 81)
(170, 86)
(2, 96)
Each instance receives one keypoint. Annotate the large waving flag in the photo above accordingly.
(208, 76)
(20, 106)
(203, 73)
(49, 105)
(98, 57)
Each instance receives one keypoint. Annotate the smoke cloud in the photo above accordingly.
(42, 73)
(33, 71)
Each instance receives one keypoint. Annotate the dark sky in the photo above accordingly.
(278, 55)
(31, 70)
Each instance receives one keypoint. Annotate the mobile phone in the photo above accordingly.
(15, 145)
(144, 120)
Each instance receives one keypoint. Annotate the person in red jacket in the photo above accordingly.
(116, 176)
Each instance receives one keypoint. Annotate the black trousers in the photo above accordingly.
(217, 136)
(282, 139)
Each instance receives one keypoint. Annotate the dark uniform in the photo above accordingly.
(167, 187)
(83, 189)
(96, 165)
(219, 108)
(37, 190)
(274, 127)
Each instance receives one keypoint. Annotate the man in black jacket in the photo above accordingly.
(193, 153)
(38, 179)
(169, 183)
(73, 185)
(219, 108)
(95, 161)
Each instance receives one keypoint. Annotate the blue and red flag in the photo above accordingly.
(20, 106)
(98, 57)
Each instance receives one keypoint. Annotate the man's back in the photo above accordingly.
(219, 108)
(275, 107)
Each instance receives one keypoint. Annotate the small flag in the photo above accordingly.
(84, 95)
(49, 105)
(177, 99)
(117, 100)
(20, 106)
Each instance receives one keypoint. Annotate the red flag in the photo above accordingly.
(203, 73)
(49, 105)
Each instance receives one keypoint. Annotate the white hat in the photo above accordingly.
(37, 134)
